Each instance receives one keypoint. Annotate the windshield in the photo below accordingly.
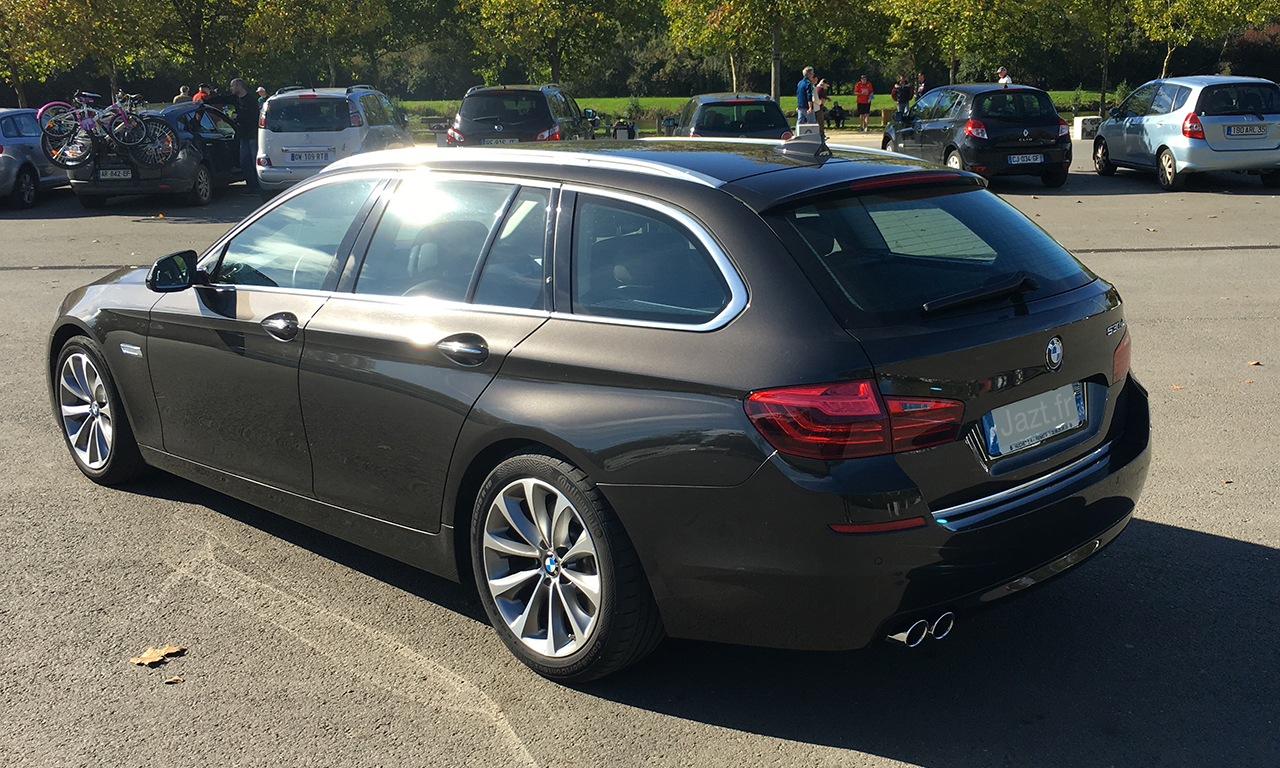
(742, 116)
(1012, 105)
(878, 258)
(1240, 99)
(303, 115)
(507, 107)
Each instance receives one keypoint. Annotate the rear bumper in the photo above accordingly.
(113, 187)
(275, 178)
(995, 161)
(757, 564)
(1195, 156)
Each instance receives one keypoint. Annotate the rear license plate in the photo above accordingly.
(1246, 130)
(500, 141)
(115, 173)
(1021, 159)
(310, 157)
(1014, 427)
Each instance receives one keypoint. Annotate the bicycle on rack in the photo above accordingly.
(70, 134)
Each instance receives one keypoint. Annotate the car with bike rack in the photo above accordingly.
(25, 171)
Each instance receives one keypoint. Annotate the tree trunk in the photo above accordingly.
(333, 65)
(775, 80)
(372, 54)
(733, 71)
(955, 65)
(1164, 71)
(1106, 62)
(555, 59)
(113, 75)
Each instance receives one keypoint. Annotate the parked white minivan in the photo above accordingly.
(301, 130)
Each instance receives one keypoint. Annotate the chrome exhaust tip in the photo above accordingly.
(912, 635)
(942, 625)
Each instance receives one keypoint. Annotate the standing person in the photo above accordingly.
(864, 91)
(902, 95)
(246, 122)
(922, 85)
(1002, 76)
(203, 92)
(184, 94)
(804, 98)
(262, 96)
(820, 98)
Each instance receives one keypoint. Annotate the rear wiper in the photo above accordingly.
(486, 117)
(1018, 282)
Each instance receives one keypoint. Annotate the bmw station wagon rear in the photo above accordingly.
(730, 392)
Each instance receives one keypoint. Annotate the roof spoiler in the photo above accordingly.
(807, 148)
(291, 88)
(360, 87)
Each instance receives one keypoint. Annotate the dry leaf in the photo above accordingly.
(1255, 362)
(1174, 386)
(1035, 197)
(159, 215)
(1212, 216)
(154, 656)
(1226, 482)
(1248, 381)
(1149, 229)
(173, 680)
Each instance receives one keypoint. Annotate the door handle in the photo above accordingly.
(282, 326)
(465, 349)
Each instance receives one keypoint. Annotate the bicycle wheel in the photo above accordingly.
(127, 130)
(70, 151)
(159, 145)
(58, 119)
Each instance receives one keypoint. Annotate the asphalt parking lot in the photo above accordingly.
(304, 650)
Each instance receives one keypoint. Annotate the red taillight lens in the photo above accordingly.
(454, 137)
(848, 420)
(264, 161)
(356, 120)
(1120, 360)
(551, 134)
(786, 135)
(262, 120)
(1191, 127)
(976, 129)
(1063, 128)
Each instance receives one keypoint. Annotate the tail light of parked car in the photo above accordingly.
(356, 120)
(787, 135)
(850, 419)
(1120, 360)
(264, 161)
(454, 137)
(693, 134)
(976, 129)
(1063, 128)
(262, 120)
(1191, 127)
(551, 134)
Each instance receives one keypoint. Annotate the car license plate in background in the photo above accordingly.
(1019, 159)
(500, 141)
(1030, 422)
(1246, 130)
(115, 173)
(309, 157)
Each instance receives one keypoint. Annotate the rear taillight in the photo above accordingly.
(262, 120)
(1063, 128)
(356, 120)
(551, 134)
(976, 129)
(787, 135)
(693, 134)
(264, 161)
(847, 420)
(1191, 127)
(1120, 360)
(454, 137)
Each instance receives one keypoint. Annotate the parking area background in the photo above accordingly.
(304, 650)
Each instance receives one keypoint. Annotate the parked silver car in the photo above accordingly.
(24, 170)
(1185, 125)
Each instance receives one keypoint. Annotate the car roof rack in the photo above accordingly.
(360, 87)
(289, 88)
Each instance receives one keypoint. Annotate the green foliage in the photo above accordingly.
(28, 44)
(632, 110)
(1077, 99)
(1122, 91)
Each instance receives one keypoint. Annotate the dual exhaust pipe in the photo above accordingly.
(918, 631)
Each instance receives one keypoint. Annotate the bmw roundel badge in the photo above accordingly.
(1053, 354)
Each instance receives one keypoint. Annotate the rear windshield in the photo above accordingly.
(1240, 99)
(877, 258)
(751, 116)
(304, 115)
(1013, 105)
(508, 108)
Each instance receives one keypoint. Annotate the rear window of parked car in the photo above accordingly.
(303, 115)
(1239, 99)
(1014, 104)
(877, 258)
(751, 116)
(509, 107)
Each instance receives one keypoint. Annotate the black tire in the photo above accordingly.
(1055, 178)
(201, 193)
(128, 130)
(123, 460)
(92, 202)
(71, 151)
(1271, 179)
(954, 160)
(25, 189)
(626, 625)
(888, 146)
(1166, 172)
(1102, 159)
(159, 147)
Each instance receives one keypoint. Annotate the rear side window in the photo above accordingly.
(878, 258)
(750, 116)
(8, 128)
(27, 125)
(1239, 99)
(1014, 104)
(635, 263)
(374, 111)
(509, 107)
(299, 115)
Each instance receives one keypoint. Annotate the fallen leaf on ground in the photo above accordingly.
(1149, 229)
(1037, 215)
(154, 656)
(1255, 362)
(1175, 386)
(173, 680)
(159, 215)
(1226, 482)
(1212, 216)
(1248, 381)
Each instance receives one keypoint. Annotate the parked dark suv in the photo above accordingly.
(733, 115)
(512, 114)
(992, 130)
(735, 391)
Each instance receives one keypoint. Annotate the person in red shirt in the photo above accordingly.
(863, 91)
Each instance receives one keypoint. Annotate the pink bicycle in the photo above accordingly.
(68, 132)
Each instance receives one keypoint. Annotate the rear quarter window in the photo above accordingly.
(296, 115)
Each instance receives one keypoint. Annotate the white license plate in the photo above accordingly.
(500, 141)
(1020, 159)
(310, 157)
(115, 173)
(1029, 422)
(1246, 130)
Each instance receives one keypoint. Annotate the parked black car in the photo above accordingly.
(740, 392)
(735, 115)
(511, 114)
(209, 157)
(992, 130)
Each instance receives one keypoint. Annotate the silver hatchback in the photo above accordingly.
(1184, 125)
(24, 169)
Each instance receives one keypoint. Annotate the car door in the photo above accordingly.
(220, 144)
(937, 129)
(908, 138)
(452, 279)
(27, 131)
(224, 356)
(1132, 113)
(1159, 121)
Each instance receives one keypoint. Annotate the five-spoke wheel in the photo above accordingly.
(93, 422)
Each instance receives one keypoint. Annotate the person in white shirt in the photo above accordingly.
(1002, 76)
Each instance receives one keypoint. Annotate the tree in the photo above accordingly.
(543, 35)
(112, 34)
(203, 35)
(1177, 22)
(27, 48)
(1104, 19)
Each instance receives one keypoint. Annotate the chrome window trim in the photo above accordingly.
(1030, 485)
(446, 304)
(738, 295)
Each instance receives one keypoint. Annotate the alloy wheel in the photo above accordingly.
(541, 568)
(954, 161)
(86, 411)
(25, 189)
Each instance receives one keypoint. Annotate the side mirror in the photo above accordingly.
(175, 272)
(1114, 112)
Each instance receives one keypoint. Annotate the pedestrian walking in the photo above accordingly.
(246, 122)
(805, 98)
(901, 94)
(863, 90)
(1002, 76)
(184, 95)
(922, 85)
